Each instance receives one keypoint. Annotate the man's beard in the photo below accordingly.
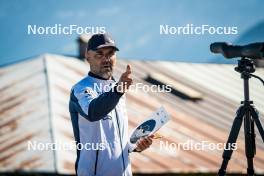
(106, 72)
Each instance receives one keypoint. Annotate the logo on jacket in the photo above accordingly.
(90, 92)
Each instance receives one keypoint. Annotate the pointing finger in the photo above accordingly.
(128, 69)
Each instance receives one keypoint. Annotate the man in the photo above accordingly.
(98, 114)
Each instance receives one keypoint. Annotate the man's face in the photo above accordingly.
(102, 61)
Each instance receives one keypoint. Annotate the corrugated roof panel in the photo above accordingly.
(230, 85)
(60, 85)
(24, 111)
(177, 86)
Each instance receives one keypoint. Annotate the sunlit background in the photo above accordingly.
(135, 25)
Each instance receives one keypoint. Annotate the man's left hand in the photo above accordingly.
(144, 143)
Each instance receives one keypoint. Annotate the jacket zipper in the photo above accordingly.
(120, 140)
(96, 160)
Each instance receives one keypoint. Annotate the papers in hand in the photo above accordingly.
(150, 125)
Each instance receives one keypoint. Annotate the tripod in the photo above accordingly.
(249, 114)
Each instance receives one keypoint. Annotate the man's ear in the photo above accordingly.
(87, 55)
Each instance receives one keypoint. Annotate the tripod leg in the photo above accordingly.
(255, 116)
(250, 147)
(231, 140)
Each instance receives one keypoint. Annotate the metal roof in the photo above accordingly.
(34, 107)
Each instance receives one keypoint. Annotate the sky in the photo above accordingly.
(135, 26)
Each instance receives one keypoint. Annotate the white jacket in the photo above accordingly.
(100, 126)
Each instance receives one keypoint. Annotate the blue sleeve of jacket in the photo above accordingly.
(93, 107)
